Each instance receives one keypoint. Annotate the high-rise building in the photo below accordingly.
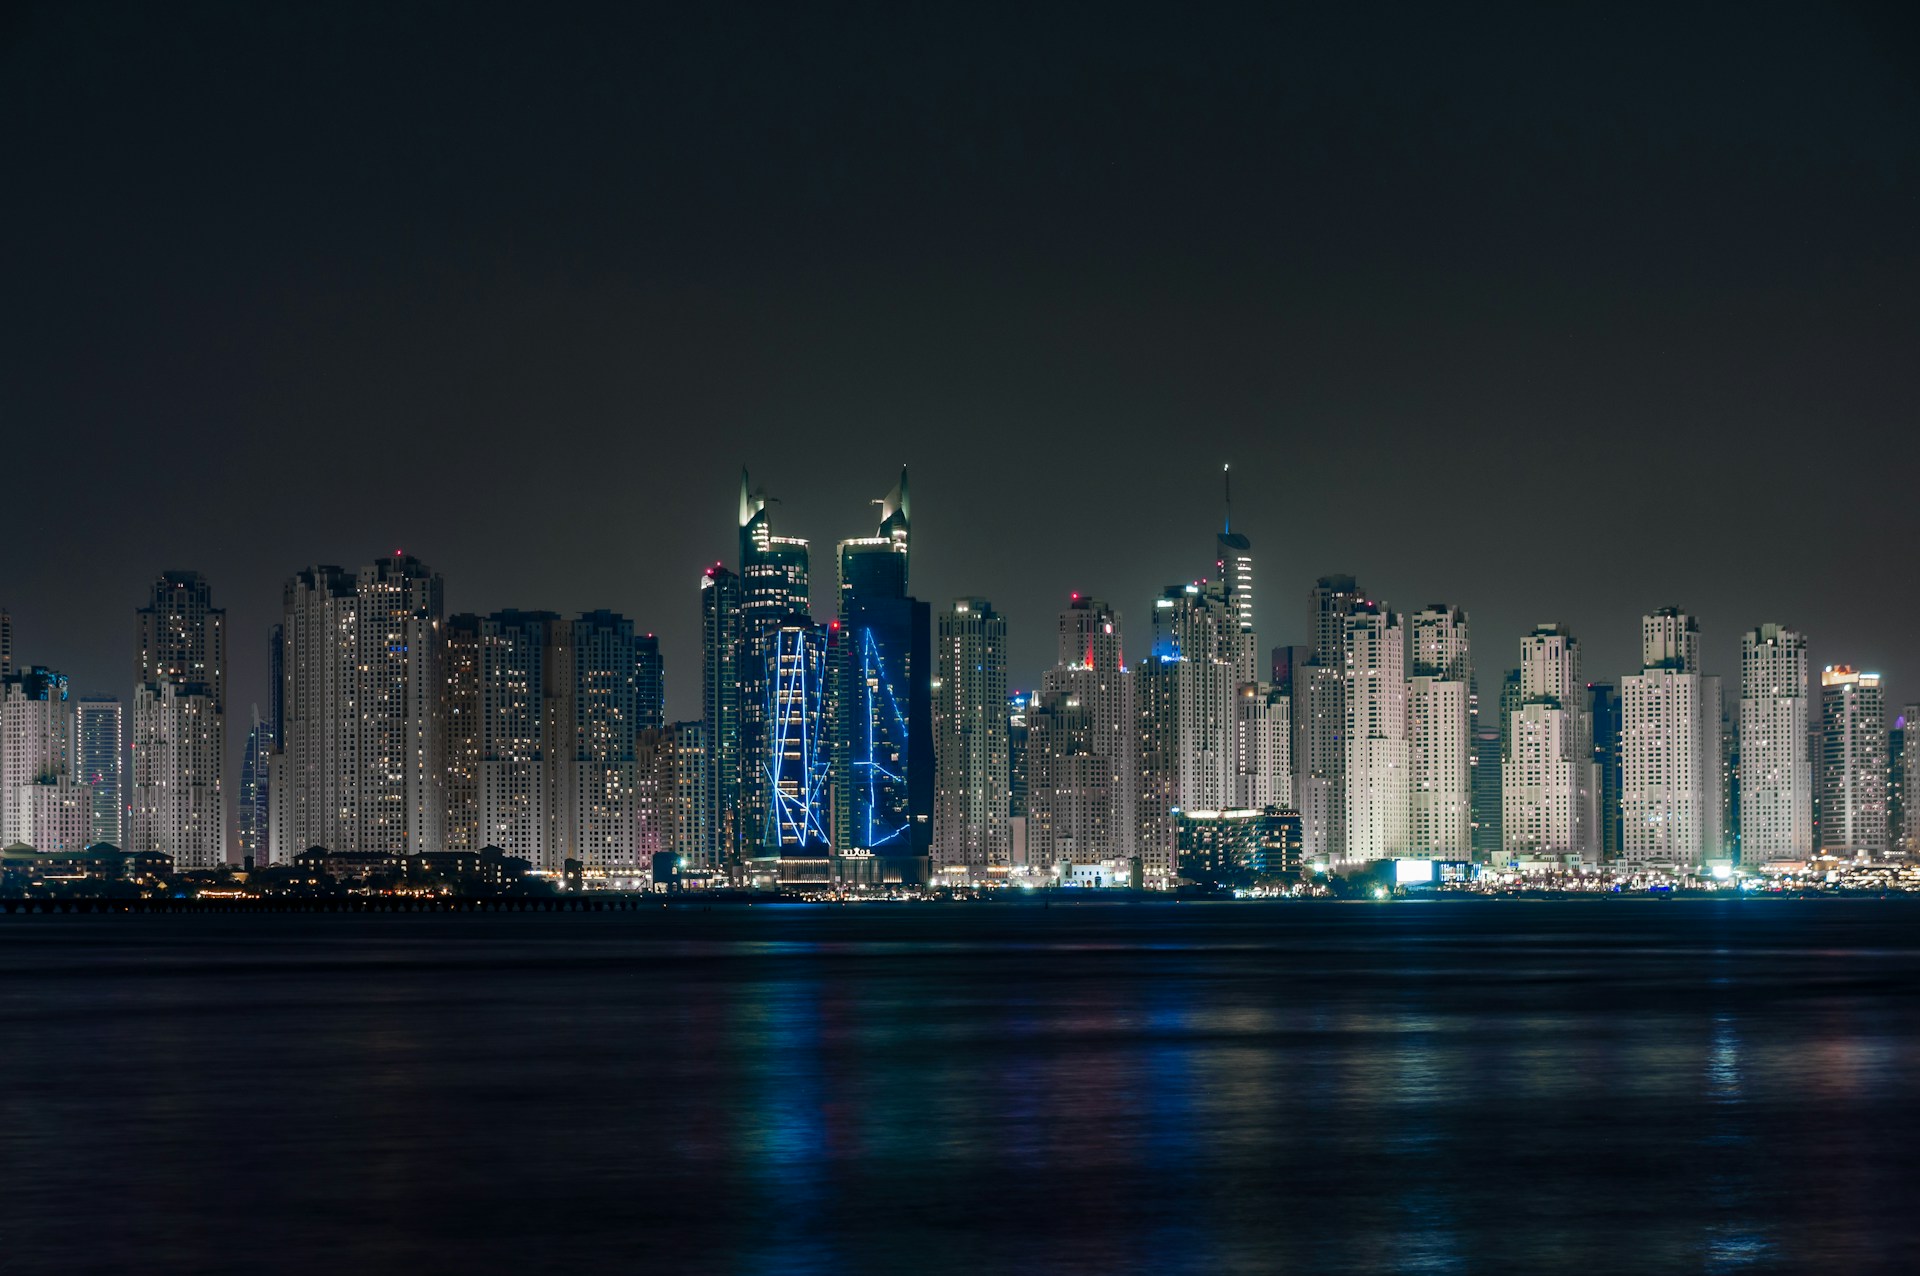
(1196, 633)
(1775, 772)
(364, 764)
(880, 708)
(254, 822)
(521, 675)
(603, 673)
(721, 639)
(790, 756)
(1070, 804)
(1263, 748)
(178, 802)
(1017, 706)
(650, 682)
(1439, 733)
(1907, 772)
(41, 803)
(1233, 569)
(1320, 710)
(1486, 777)
(1377, 770)
(1090, 675)
(1853, 763)
(1603, 710)
(971, 799)
(774, 588)
(6, 643)
(99, 757)
(1547, 783)
(463, 660)
(670, 799)
(1670, 751)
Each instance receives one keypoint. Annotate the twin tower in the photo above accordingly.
(819, 730)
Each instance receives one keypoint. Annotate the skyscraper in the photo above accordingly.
(971, 795)
(790, 754)
(774, 589)
(604, 673)
(364, 759)
(520, 679)
(1233, 569)
(41, 803)
(1603, 709)
(1669, 768)
(880, 708)
(650, 685)
(1853, 763)
(463, 660)
(1547, 774)
(1776, 775)
(721, 639)
(6, 643)
(1197, 634)
(179, 724)
(1487, 736)
(1440, 755)
(99, 753)
(1908, 840)
(1263, 748)
(254, 822)
(1320, 711)
(1090, 672)
(1377, 771)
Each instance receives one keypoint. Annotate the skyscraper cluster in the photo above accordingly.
(862, 740)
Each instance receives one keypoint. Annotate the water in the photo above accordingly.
(1443, 1087)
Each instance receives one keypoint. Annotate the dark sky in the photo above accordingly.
(1552, 315)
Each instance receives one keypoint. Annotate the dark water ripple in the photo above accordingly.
(1680, 1086)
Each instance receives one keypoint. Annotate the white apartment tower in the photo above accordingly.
(970, 744)
(1263, 748)
(1669, 751)
(363, 763)
(1439, 749)
(1548, 784)
(1377, 772)
(178, 801)
(38, 795)
(1776, 776)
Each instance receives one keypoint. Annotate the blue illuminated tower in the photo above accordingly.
(792, 759)
(773, 589)
(882, 707)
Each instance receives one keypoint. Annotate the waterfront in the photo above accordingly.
(1448, 1086)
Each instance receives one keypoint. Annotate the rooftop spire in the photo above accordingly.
(1226, 482)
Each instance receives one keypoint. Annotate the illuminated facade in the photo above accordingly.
(1776, 774)
(1377, 773)
(178, 798)
(1319, 700)
(1263, 747)
(1090, 672)
(720, 650)
(1548, 784)
(1669, 751)
(99, 758)
(363, 764)
(463, 733)
(520, 676)
(1852, 792)
(774, 588)
(971, 788)
(603, 692)
(883, 740)
(1440, 759)
(792, 760)
(36, 753)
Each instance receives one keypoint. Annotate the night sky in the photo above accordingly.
(1554, 316)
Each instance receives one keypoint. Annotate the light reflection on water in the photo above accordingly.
(1703, 1087)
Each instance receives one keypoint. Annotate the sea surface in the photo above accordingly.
(1689, 1086)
